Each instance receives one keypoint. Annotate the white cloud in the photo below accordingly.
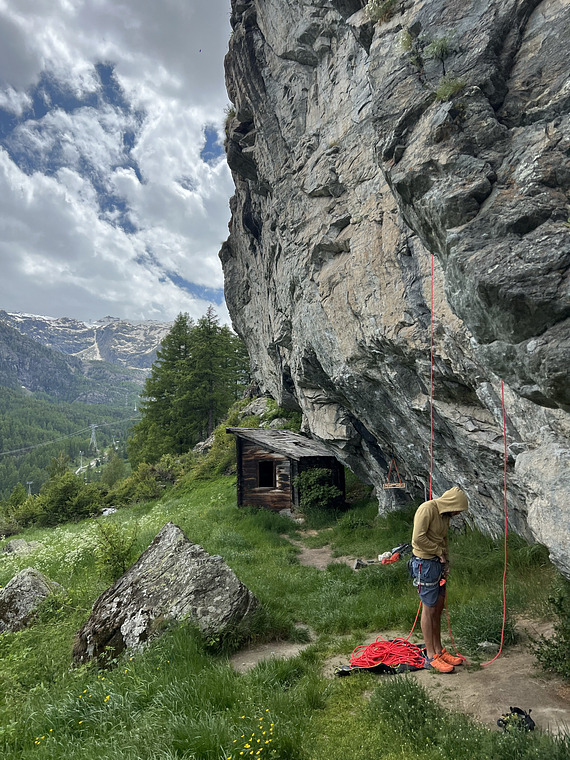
(62, 247)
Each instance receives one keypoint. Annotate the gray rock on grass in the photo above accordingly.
(21, 546)
(173, 580)
(21, 597)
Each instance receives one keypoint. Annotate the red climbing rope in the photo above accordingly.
(415, 621)
(384, 652)
(431, 389)
(431, 483)
(506, 526)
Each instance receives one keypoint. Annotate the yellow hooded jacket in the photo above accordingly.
(431, 523)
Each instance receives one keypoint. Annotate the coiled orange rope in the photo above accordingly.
(387, 652)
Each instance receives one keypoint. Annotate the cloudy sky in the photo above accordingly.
(113, 185)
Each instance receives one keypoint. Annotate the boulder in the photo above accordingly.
(173, 580)
(20, 546)
(203, 447)
(278, 423)
(21, 597)
(258, 407)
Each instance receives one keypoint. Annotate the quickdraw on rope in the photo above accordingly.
(391, 653)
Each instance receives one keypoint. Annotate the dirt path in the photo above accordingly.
(320, 558)
(514, 679)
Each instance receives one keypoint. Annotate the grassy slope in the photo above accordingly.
(179, 700)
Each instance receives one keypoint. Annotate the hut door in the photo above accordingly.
(266, 474)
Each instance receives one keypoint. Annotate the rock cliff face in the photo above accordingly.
(361, 149)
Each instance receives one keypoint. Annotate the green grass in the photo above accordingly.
(181, 699)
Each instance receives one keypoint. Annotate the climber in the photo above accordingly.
(429, 567)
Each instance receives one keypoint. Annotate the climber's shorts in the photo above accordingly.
(427, 574)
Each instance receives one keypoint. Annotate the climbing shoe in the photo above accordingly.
(451, 659)
(438, 663)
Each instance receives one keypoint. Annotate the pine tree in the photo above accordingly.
(200, 370)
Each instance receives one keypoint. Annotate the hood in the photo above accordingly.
(453, 500)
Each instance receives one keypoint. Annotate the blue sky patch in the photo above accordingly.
(112, 92)
(215, 295)
(213, 148)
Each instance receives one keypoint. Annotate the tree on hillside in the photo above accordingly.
(200, 370)
(216, 377)
(161, 426)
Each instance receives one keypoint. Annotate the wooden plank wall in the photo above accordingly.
(272, 498)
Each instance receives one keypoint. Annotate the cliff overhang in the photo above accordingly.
(359, 150)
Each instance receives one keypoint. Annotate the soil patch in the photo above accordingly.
(321, 557)
(514, 679)
(246, 659)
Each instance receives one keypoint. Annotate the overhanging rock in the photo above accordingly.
(173, 580)
(364, 169)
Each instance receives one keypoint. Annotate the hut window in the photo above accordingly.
(266, 474)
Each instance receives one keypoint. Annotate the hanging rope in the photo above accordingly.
(506, 527)
(431, 389)
(504, 485)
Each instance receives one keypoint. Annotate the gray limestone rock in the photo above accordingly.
(20, 546)
(362, 160)
(21, 597)
(204, 446)
(172, 580)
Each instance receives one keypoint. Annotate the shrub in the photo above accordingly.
(114, 470)
(24, 514)
(66, 498)
(554, 653)
(439, 49)
(115, 551)
(380, 10)
(317, 495)
(448, 87)
(142, 485)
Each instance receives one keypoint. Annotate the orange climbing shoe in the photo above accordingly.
(451, 659)
(438, 663)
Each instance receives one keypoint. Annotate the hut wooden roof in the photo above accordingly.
(293, 445)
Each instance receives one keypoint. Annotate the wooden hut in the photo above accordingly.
(268, 461)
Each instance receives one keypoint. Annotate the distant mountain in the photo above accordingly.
(30, 367)
(112, 340)
(26, 364)
(48, 402)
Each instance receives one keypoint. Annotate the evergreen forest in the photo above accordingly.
(63, 460)
(201, 369)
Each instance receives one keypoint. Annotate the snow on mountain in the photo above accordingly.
(127, 344)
